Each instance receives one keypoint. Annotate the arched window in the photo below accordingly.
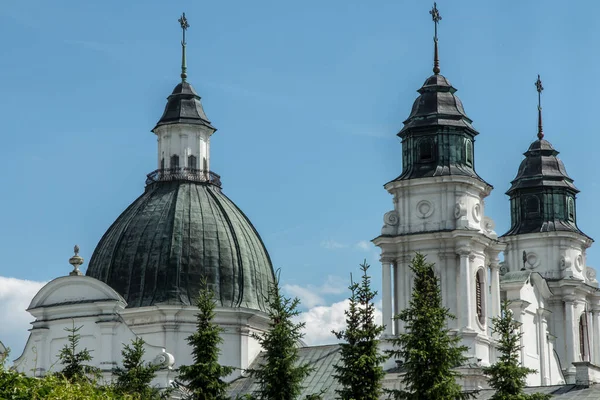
(192, 162)
(570, 209)
(174, 161)
(425, 150)
(469, 152)
(479, 301)
(583, 337)
(532, 206)
(162, 163)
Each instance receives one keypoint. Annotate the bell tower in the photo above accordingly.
(438, 210)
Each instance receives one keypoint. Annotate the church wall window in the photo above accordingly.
(192, 162)
(162, 163)
(479, 296)
(426, 151)
(469, 152)
(174, 161)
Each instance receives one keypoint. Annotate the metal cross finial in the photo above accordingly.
(184, 26)
(436, 17)
(539, 87)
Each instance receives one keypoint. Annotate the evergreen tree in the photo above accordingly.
(360, 372)
(507, 375)
(73, 361)
(205, 377)
(278, 375)
(429, 353)
(136, 376)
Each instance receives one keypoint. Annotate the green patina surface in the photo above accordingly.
(160, 247)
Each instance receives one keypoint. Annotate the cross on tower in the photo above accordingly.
(539, 87)
(436, 17)
(184, 25)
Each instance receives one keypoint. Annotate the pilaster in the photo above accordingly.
(386, 296)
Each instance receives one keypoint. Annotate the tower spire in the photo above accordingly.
(539, 87)
(184, 25)
(436, 17)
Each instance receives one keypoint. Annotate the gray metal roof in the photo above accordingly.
(541, 168)
(437, 105)
(323, 358)
(177, 232)
(184, 107)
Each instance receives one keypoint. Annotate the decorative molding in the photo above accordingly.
(460, 210)
(425, 209)
(579, 263)
(463, 251)
(533, 260)
(476, 212)
(590, 275)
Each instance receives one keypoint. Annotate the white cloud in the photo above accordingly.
(321, 320)
(332, 245)
(307, 296)
(15, 296)
(363, 245)
(313, 295)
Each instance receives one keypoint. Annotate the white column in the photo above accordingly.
(495, 288)
(386, 296)
(464, 303)
(570, 337)
(596, 336)
(543, 345)
(397, 295)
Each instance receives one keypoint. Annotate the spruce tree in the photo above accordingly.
(360, 371)
(75, 367)
(428, 351)
(135, 377)
(279, 376)
(507, 375)
(205, 377)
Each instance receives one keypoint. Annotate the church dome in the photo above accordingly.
(174, 235)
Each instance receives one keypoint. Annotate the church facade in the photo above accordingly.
(147, 268)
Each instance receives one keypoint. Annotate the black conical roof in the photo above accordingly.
(184, 106)
(437, 105)
(541, 168)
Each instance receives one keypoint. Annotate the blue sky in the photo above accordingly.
(307, 97)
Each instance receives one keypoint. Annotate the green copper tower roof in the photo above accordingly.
(176, 233)
(542, 195)
(437, 137)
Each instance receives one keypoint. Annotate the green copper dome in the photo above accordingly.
(176, 233)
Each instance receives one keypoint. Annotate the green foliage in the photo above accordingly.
(360, 372)
(278, 376)
(204, 378)
(430, 354)
(507, 375)
(17, 386)
(136, 377)
(74, 362)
